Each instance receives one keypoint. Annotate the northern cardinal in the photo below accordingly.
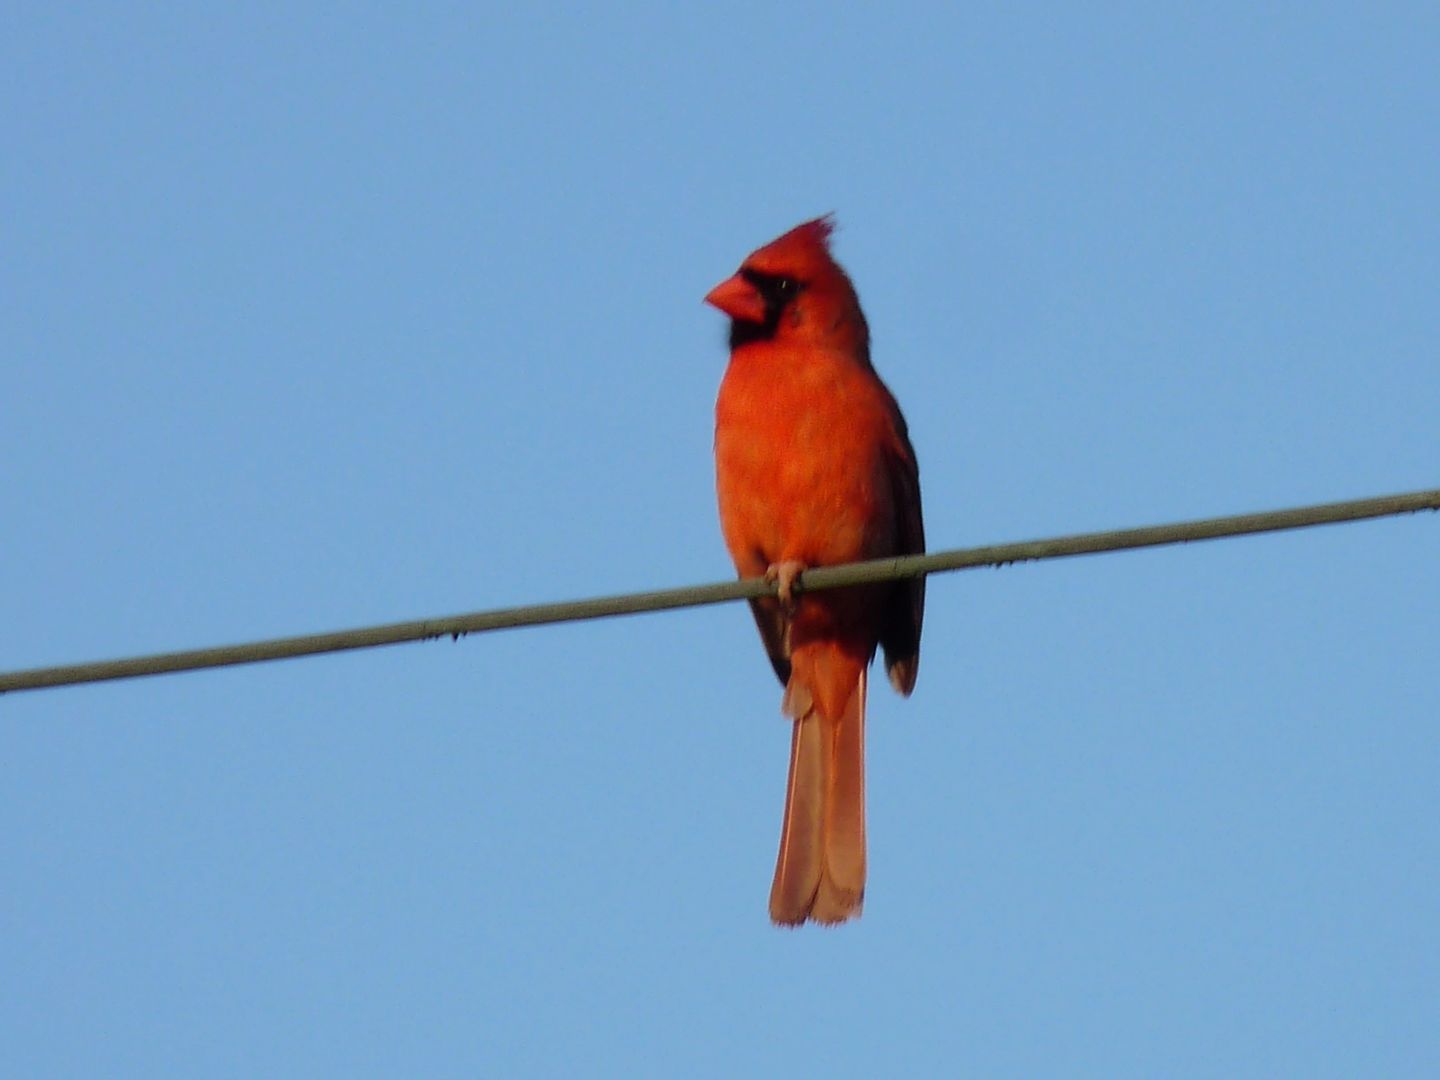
(814, 467)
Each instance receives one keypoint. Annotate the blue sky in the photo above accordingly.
(315, 318)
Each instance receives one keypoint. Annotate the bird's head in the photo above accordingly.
(793, 290)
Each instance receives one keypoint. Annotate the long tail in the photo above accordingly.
(820, 871)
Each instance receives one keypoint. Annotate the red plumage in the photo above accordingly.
(814, 467)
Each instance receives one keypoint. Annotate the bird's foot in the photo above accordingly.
(784, 574)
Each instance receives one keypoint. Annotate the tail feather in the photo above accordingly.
(799, 866)
(820, 869)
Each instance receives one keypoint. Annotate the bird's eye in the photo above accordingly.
(777, 289)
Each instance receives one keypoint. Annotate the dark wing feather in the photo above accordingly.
(775, 633)
(905, 607)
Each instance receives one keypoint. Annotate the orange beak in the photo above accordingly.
(739, 299)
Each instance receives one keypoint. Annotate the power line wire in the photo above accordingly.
(829, 577)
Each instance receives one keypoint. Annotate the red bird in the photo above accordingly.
(814, 467)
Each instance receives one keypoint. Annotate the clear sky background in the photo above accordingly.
(313, 319)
